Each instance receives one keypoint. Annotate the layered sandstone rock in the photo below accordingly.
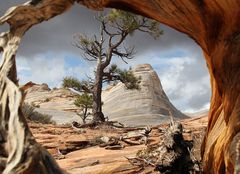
(59, 102)
(78, 153)
(149, 105)
(42, 96)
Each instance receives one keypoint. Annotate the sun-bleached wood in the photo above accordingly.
(19, 152)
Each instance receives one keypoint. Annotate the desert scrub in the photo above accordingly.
(32, 115)
(47, 100)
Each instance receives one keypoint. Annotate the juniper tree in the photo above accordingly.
(114, 28)
(84, 101)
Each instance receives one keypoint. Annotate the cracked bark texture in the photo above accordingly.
(213, 24)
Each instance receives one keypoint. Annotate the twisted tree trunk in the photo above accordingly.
(213, 24)
(98, 115)
(19, 152)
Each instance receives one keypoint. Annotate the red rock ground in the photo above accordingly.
(81, 155)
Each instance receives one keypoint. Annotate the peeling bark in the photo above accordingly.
(213, 24)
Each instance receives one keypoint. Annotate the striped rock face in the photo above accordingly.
(149, 105)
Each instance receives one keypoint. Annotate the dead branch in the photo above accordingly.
(19, 152)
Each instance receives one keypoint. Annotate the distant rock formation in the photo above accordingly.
(58, 102)
(33, 87)
(149, 105)
(27, 86)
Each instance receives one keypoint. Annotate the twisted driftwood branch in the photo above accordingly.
(19, 152)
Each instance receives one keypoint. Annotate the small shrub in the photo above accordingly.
(32, 115)
(84, 101)
(47, 100)
(71, 82)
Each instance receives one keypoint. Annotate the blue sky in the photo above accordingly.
(46, 56)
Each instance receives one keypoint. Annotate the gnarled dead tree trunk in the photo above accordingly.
(213, 24)
(19, 152)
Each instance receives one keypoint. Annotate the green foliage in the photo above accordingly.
(84, 40)
(47, 100)
(130, 22)
(154, 30)
(113, 68)
(32, 115)
(71, 82)
(125, 76)
(126, 20)
(80, 86)
(84, 100)
(129, 79)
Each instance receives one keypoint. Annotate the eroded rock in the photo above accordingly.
(149, 105)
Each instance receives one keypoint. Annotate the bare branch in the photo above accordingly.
(86, 89)
(88, 54)
(90, 79)
(127, 55)
(123, 36)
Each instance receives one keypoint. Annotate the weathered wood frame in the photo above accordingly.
(213, 24)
